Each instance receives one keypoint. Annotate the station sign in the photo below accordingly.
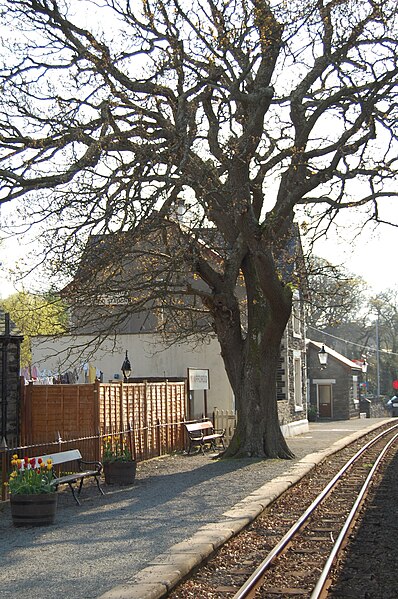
(198, 379)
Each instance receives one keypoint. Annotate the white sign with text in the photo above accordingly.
(198, 379)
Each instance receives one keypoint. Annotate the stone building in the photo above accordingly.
(334, 388)
(10, 345)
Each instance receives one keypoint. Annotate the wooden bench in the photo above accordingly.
(63, 457)
(202, 433)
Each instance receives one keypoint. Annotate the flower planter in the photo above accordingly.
(120, 473)
(34, 509)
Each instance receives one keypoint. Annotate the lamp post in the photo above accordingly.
(364, 368)
(126, 368)
(323, 357)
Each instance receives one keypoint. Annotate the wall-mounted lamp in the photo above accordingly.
(126, 368)
(323, 356)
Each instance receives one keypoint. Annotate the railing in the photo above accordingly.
(224, 419)
(144, 443)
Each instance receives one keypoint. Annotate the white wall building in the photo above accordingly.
(148, 356)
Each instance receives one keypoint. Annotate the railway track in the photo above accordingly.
(290, 550)
(367, 565)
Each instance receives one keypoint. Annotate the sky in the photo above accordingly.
(371, 256)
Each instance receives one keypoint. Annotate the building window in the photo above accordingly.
(355, 394)
(296, 321)
(298, 391)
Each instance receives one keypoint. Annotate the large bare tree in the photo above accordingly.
(248, 109)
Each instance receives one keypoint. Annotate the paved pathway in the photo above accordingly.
(135, 541)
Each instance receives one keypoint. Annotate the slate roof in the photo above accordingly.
(334, 354)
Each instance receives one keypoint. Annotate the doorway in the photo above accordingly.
(325, 401)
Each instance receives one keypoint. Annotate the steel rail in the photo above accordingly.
(320, 587)
(248, 589)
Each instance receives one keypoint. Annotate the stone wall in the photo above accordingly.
(341, 378)
(377, 408)
(10, 343)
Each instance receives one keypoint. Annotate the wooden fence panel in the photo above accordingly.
(154, 410)
(60, 417)
(48, 409)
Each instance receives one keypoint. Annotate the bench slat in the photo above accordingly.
(197, 435)
(62, 456)
(199, 426)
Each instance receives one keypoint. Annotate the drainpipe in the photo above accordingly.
(4, 379)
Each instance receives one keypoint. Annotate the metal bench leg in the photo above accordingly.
(72, 488)
(80, 485)
(98, 485)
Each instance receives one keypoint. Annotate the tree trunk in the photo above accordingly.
(258, 432)
(252, 362)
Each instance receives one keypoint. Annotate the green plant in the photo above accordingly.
(31, 476)
(115, 451)
(312, 413)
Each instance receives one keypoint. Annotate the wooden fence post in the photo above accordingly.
(121, 427)
(145, 421)
(59, 441)
(27, 420)
(96, 407)
(158, 437)
(21, 410)
(131, 441)
(98, 447)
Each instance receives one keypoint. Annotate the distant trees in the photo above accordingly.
(35, 315)
(383, 329)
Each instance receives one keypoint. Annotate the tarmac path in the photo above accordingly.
(94, 549)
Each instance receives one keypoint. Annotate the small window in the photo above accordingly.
(296, 320)
(298, 391)
(355, 392)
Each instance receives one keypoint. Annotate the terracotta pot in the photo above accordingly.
(120, 473)
(33, 510)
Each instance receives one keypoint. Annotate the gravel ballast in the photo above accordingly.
(101, 544)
